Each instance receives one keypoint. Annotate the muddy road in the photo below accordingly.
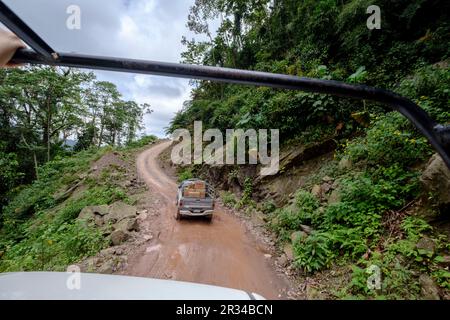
(219, 253)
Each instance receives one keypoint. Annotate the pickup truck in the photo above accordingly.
(195, 198)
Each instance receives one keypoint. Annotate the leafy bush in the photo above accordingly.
(246, 194)
(314, 253)
(397, 282)
(9, 174)
(430, 88)
(414, 227)
(91, 197)
(304, 212)
(400, 263)
(351, 226)
(228, 199)
(53, 176)
(388, 141)
(365, 197)
(268, 206)
(53, 247)
(142, 142)
(185, 174)
(307, 204)
(41, 232)
(53, 239)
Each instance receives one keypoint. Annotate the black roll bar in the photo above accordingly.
(438, 135)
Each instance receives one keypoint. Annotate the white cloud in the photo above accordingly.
(139, 29)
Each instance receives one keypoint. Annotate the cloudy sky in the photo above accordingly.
(140, 29)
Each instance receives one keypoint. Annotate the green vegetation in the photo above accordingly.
(142, 142)
(39, 229)
(43, 107)
(185, 174)
(228, 199)
(246, 195)
(40, 234)
(317, 38)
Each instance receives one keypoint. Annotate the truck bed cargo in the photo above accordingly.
(195, 198)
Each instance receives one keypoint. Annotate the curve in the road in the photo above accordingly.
(219, 253)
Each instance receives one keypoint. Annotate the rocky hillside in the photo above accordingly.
(334, 217)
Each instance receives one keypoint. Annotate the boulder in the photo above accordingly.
(100, 210)
(106, 268)
(345, 164)
(429, 289)
(327, 179)
(138, 198)
(90, 213)
(335, 184)
(118, 237)
(108, 252)
(316, 191)
(119, 211)
(288, 251)
(127, 224)
(325, 187)
(86, 214)
(283, 260)
(334, 197)
(426, 245)
(298, 236)
(307, 229)
(98, 220)
(436, 179)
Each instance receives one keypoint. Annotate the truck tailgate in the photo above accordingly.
(192, 204)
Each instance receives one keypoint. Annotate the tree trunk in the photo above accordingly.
(114, 138)
(100, 137)
(36, 165)
(94, 128)
(49, 121)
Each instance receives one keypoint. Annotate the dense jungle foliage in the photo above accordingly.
(50, 112)
(54, 122)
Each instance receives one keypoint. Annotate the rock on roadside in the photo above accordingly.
(119, 217)
(429, 289)
(436, 179)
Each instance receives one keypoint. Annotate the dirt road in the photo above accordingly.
(219, 253)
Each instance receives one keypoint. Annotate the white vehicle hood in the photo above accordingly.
(54, 286)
